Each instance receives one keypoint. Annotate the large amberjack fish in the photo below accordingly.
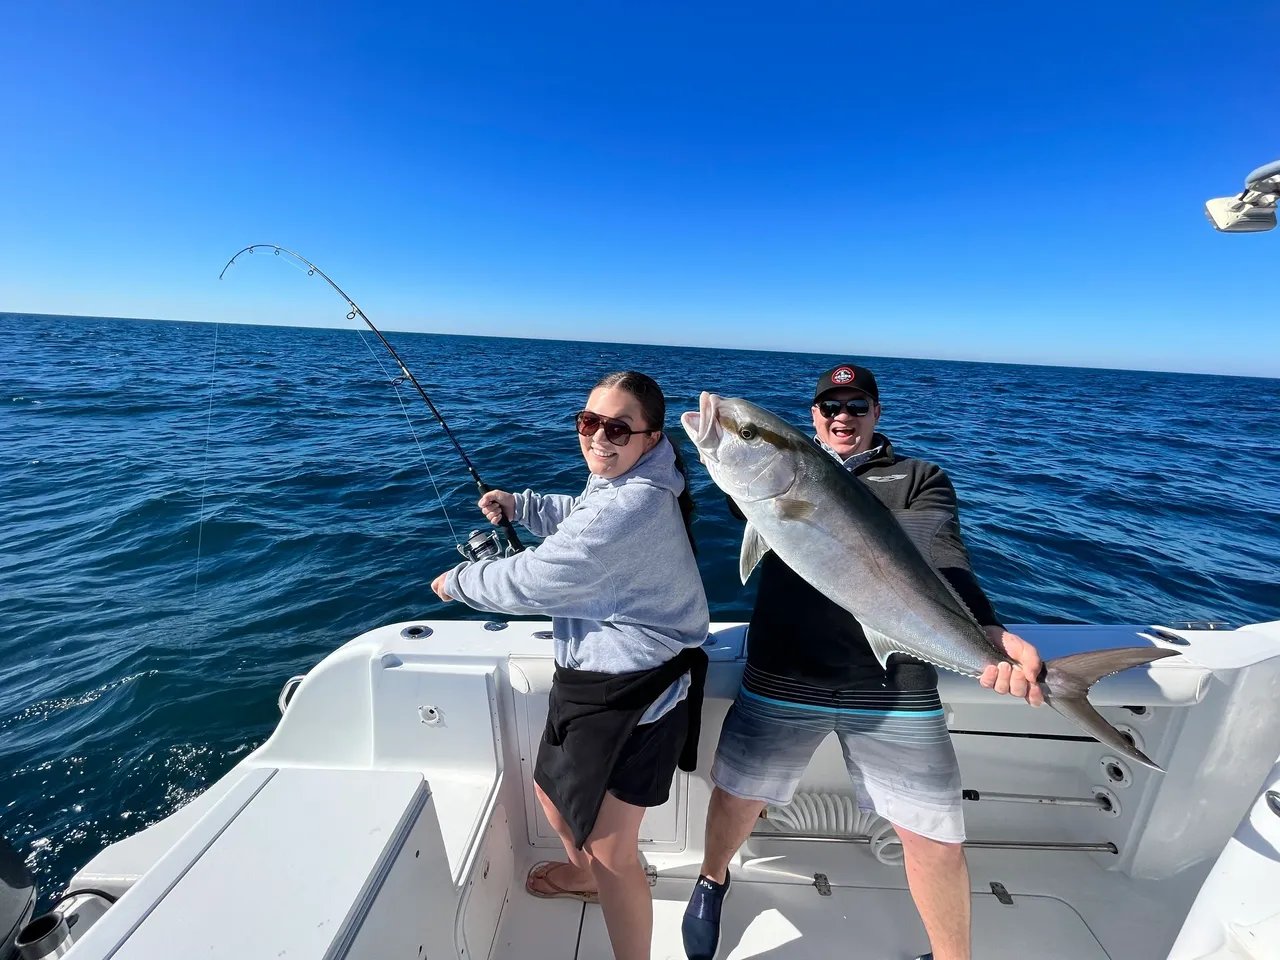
(831, 530)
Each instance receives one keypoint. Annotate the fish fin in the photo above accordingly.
(955, 594)
(753, 548)
(793, 509)
(1066, 682)
(883, 646)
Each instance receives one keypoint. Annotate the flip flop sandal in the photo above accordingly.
(539, 873)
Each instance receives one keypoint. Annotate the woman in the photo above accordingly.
(616, 574)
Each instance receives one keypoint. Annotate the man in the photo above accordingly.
(810, 671)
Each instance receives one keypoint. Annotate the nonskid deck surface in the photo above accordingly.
(772, 921)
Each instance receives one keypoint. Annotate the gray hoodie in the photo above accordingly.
(615, 574)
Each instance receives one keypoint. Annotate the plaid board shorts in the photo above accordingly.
(896, 748)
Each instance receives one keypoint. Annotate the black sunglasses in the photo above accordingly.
(857, 407)
(616, 432)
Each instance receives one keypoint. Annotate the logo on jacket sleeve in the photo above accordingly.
(886, 478)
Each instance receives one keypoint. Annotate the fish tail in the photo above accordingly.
(1066, 682)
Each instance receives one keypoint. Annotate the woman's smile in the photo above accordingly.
(604, 457)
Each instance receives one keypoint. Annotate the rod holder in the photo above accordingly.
(44, 937)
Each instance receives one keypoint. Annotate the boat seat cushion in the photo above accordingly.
(306, 848)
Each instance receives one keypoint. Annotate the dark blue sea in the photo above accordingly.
(191, 513)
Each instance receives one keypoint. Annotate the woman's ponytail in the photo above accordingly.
(687, 506)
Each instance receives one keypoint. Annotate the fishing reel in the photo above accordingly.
(485, 545)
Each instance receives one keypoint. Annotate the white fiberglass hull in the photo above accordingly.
(390, 814)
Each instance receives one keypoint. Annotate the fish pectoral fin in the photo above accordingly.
(793, 509)
(753, 548)
(883, 646)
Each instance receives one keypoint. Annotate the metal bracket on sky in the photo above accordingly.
(478, 546)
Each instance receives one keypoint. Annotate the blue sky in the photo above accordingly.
(1015, 182)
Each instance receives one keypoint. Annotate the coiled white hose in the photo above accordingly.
(836, 815)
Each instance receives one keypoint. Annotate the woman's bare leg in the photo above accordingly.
(624, 889)
(576, 874)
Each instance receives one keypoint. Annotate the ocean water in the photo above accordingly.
(192, 513)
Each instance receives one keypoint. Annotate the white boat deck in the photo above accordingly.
(772, 920)
(1062, 909)
(391, 815)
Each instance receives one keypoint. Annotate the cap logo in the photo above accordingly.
(843, 375)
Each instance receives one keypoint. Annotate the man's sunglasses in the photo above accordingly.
(857, 407)
(616, 432)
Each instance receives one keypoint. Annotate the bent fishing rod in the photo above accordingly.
(480, 545)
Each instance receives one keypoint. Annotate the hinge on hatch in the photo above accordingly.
(823, 884)
(652, 874)
(1001, 893)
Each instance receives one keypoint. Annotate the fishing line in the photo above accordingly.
(204, 484)
(413, 430)
(480, 544)
(394, 381)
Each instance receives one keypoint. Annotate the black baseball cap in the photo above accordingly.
(847, 376)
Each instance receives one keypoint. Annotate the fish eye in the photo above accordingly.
(748, 432)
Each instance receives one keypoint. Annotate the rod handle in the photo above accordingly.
(508, 528)
(512, 537)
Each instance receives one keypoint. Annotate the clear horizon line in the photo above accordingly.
(638, 343)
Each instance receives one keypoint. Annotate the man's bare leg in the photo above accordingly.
(938, 876)
(730, 821)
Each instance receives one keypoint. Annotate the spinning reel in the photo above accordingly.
(486, 545)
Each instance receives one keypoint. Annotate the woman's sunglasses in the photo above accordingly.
(857, 407)
(616, 432)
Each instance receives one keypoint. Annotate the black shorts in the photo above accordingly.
(642, 776)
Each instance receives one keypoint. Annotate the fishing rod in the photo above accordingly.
(481, 544)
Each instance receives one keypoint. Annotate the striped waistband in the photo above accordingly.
(881, 699)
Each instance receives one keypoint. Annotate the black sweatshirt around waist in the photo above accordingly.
(590, 715)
